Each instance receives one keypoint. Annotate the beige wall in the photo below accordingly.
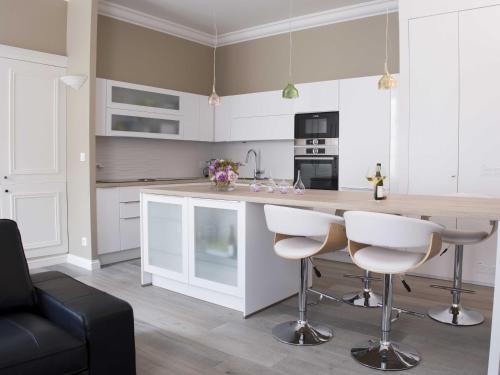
(34, 24)
(131, 53)
(81, 45)
(342, 50)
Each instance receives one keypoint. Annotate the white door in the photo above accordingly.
(434, 101)
(165, 236)
(216, 245)
(479, 101)
(365, 130)
(33, 154)
(40, 212)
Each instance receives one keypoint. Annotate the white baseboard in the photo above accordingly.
(43, 262)
(88, 264)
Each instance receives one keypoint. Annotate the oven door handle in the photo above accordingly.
(314, 158)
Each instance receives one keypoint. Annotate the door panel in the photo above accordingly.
(479, 109)
(32, 102)
(434, 100)
(40, 212)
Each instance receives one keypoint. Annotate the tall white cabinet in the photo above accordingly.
(33, 154)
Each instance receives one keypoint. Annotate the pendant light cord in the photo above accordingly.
(386, 38)
(215, 46)
(290, 39)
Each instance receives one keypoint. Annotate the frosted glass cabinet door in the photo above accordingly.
(215, 245)
(165, 239)
(142, 124)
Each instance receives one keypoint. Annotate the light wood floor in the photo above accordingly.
(178, 335)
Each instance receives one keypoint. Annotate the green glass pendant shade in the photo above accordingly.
(290, 91)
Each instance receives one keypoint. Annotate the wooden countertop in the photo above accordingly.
(419, 205)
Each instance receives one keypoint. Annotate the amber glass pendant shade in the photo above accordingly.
(214, 99)
(387, 81)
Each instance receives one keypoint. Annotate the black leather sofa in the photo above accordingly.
(52, 324)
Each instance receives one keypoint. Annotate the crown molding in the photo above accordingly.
(308, 21)
(135, 17)
(348, 13)
(24, 54)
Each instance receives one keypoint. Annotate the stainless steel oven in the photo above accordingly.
(318, 165)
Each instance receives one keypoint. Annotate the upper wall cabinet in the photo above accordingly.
(267, 116)
(317, 97)
(129, 110)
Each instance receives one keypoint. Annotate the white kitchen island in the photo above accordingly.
(181, 223)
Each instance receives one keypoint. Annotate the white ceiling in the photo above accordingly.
(232, 15)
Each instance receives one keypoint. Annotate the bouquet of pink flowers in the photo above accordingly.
(223, 173)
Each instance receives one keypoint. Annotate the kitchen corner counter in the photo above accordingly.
(418, 205)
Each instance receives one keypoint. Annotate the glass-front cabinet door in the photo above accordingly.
(216, 245)
(134, 97)
(165, 236)
(142, 124)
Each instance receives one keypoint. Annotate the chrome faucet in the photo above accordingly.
(258, 173)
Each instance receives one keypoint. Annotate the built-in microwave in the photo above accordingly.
(318, 126)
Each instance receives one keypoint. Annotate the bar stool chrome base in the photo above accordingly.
(390, 357)
(302, 333)
(363, 299)
(456, 315)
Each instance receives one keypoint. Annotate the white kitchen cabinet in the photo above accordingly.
(33, 154)
(198, 247)
(317, 97)
(223, 118)
(216, 243)
(206, 123)
(133, 97)
(479, 170)
(108, 220)
(262, 128)
(434, 104)
(118, 223)
(125, 123)
(364, 130)
(100, 106)
(129, 110)
(266, 103)
(165, 237)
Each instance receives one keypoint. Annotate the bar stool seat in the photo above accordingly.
(375, 259)
(297, 247)
(463, 237)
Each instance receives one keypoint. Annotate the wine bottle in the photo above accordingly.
(379, 183)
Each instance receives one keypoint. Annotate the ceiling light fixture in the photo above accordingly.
(386, 82)
(214, 99)
(290, 91)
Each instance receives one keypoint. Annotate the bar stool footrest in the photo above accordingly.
(323, 295)
(367, 299)
(452, 289)
(362, 277)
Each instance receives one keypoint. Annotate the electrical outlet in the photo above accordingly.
(83, 156)
(84, 241)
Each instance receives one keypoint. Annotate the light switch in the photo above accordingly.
(83, 157)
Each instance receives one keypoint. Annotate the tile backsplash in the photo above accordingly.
(129, 158)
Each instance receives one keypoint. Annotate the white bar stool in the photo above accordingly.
(292, 227)
(376, 243)
(456, 314)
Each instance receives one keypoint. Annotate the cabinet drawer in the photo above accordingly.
(129, 210)
(130, 235)
(130, 194)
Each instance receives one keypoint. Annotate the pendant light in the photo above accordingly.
(290, 91)
(386, 82)
(214, 99)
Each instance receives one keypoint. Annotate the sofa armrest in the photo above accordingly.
(105, 322)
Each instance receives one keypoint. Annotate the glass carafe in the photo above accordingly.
(298, 187)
